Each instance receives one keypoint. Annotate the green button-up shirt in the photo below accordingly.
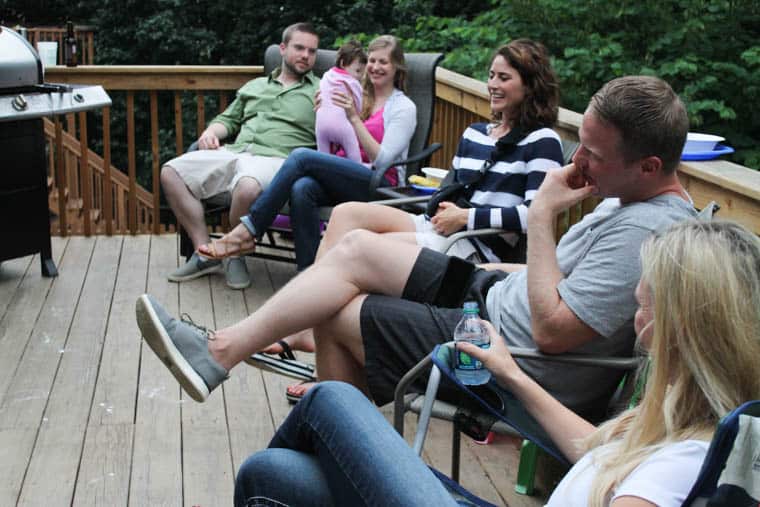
(270, 119)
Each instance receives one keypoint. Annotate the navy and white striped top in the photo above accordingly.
(502, 196)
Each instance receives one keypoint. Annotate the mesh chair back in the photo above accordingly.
(568, 150)
(722, 445)
(420, 86)
(325, 60)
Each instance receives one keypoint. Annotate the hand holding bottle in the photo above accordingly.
(496, 358)
(471, 330)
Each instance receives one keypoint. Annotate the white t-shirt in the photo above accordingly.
(665, 478)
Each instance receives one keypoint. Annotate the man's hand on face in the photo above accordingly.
(561, 189)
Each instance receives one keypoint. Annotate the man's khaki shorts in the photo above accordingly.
(210, 172)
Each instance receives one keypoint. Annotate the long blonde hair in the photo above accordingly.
(399, 63)
(704, 279)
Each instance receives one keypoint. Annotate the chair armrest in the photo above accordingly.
(468, 234)
(403, 201)
(611, 362)
(400, 392)
(379, 172)
(615, 363)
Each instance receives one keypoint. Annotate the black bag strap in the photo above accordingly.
(459, 192)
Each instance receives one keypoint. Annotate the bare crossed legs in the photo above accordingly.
(326, 297)
(391, 222)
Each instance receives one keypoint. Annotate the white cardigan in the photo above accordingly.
(399, 123)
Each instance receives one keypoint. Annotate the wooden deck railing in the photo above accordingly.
(120, 204)
(735, 188)
(459, 101)
(85, 36)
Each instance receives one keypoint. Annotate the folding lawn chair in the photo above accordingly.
(730, 474)
(490, 408)
(420, 89)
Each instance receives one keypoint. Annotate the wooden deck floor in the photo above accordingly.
(88, 416)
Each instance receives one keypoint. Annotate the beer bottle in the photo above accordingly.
(70, 46)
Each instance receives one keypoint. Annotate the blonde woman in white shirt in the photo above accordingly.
(699, 318)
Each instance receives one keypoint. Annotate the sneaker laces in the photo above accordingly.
(187, 319)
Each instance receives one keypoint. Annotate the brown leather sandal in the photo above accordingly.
(227, 247)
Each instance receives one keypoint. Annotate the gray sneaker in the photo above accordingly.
(236, 273)
(194, 268)
(182, 346)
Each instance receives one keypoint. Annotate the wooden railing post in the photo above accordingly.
(201, 113)
(84, 167)
(155, 152)
(60, 177)
(90, 48)
(131, 164)
(107, 184)
(72, 179)
(178, 122)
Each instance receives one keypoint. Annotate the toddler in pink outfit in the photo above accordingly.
(332, 127)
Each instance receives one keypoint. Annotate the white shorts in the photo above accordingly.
(427, 237)
(210, 172)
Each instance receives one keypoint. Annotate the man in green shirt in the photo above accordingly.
(270, 117)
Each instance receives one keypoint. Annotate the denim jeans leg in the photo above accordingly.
(342, 180)
(277, 477)
(364, 460)
(305, 199)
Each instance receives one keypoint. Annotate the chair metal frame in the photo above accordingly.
(426, 405)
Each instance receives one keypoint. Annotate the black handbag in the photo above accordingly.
(460, 192)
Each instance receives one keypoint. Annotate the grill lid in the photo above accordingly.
(20, 64)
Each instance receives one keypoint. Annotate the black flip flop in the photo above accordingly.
(287, 352)
(282, 366)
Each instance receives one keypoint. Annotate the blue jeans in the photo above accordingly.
(309, 179)
(335, 448)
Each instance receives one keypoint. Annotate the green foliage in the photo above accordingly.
(707, 49)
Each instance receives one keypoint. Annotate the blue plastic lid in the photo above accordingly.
(470, 307)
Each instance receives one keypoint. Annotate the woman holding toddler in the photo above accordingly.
(309, 179)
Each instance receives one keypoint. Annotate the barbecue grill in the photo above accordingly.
(25, 98)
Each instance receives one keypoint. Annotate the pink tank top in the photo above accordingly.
(376, 129)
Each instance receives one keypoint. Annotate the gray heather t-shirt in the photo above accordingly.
(599, 258)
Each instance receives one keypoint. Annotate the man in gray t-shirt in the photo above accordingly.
(598, 259)
(378, 304)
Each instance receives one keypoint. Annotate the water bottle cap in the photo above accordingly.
(470, 307)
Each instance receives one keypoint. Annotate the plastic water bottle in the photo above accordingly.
(469, 370)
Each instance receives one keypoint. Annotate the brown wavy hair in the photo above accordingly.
(349, 52)
(540, 106)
